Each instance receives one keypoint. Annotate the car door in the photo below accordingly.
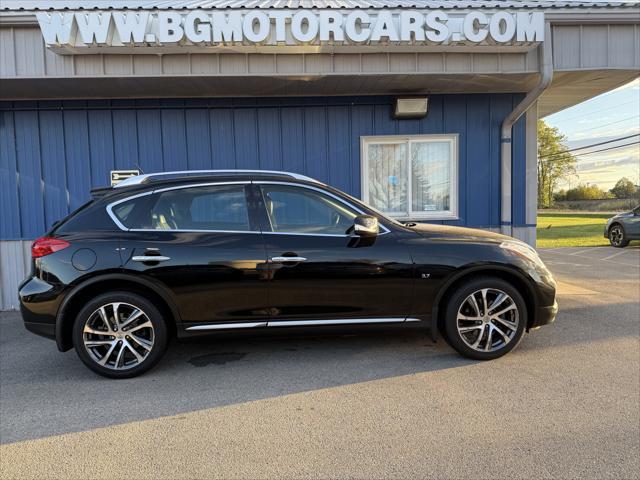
(634, 224)
(319, 273)
(201, 243)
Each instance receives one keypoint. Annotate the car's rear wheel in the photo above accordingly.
(485, 318)
(120, 335)
(617, 236)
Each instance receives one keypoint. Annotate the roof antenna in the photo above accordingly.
(140, 169)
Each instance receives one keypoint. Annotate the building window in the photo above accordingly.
(412, 177)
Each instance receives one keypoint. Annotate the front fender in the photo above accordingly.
(501, 270)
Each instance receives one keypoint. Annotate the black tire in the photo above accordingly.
(459, 297)
(618, 236)
(159, 332)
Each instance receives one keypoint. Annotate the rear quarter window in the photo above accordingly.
(90, 217)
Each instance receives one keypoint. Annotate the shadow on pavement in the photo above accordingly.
(46, 393)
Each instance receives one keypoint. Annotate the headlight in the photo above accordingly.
(523, 250)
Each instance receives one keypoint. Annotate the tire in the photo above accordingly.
(142, 338)
(503, 331)
(617, 236)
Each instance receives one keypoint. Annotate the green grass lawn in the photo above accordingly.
(571, 229)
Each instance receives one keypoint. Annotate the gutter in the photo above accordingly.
(546, 75)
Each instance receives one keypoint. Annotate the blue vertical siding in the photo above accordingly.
(361, 126)
(197, 138)
(9, 200)
(77, 155)
(315, 144)
(478, 156)
(52, 153)
(30, 182)
(269, 139)
(54, 168)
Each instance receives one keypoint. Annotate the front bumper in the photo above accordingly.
(545, 315)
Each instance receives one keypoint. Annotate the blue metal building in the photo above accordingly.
(59, 150)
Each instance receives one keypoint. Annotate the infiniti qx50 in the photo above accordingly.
(189, 253)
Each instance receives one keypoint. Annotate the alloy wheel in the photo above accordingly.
(118, 336)
(616, 236)
(487, 320)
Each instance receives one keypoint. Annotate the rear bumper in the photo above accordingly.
(39, 303)
(545, 315)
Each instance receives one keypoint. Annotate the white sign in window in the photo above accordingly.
(411, 177)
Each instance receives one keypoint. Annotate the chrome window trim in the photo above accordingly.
(140, 179)
(337, 235)
(180, 230)
(122, 227)
(115, 219)
(302, 323)
(325, 192)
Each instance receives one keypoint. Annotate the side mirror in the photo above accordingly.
(366, 226)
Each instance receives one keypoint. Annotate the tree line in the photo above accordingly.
(556, 163)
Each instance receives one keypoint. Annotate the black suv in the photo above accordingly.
(191, 253)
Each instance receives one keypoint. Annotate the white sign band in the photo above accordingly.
(288, 27)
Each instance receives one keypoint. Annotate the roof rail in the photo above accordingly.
(140, 179)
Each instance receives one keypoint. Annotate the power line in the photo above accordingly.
(589, 146)
(595, 111)
(609, 148)
(598, 151)
(612, 123)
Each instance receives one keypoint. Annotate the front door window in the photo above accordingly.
(305, 211)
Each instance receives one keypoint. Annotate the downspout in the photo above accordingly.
(546, 75)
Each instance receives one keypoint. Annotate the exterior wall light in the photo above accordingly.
(410, 107)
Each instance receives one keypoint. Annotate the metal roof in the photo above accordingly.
(26, 5)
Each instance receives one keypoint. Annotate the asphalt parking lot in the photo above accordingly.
(393, 404)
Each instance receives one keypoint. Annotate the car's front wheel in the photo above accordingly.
(617, 236)
(485, 318)
(120, 335)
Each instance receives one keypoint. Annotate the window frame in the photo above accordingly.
(383, 229)
(124, 228)
(452, 138)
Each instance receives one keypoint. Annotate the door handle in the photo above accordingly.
(150, 258)
(287, 259)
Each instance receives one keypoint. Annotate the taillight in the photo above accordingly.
(46, 246)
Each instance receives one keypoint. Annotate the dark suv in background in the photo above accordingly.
(191, 253)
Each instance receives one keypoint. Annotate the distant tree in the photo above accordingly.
(624, 188)
(560, 195)
(554, 162)
(586, 192)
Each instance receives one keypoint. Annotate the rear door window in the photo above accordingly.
(203, 208)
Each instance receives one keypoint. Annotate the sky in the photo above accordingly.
(606, 117)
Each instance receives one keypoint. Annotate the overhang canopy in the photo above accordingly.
(596, 47)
